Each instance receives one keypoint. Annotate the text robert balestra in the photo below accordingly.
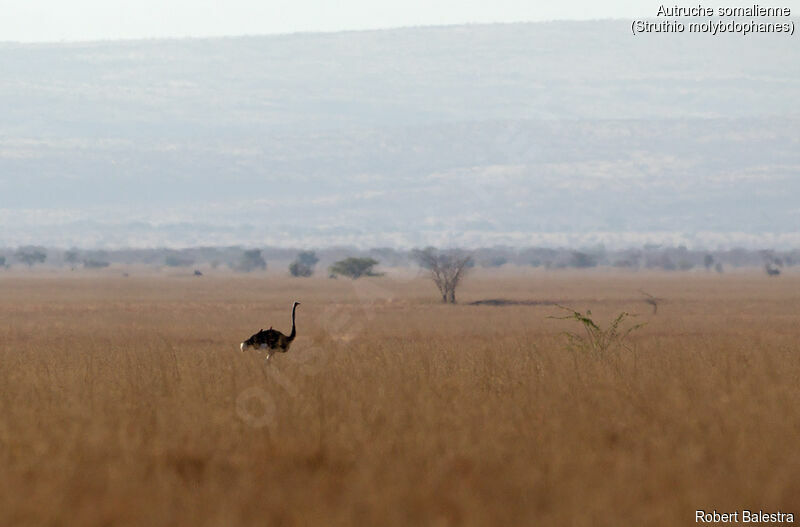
(742, 516)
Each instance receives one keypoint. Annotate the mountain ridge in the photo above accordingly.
(513, 130)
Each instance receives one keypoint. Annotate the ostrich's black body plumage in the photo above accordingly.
(271, 340)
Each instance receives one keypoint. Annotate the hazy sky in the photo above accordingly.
(55, 20)
(60, 20)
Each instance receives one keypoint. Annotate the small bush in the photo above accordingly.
(593, 339)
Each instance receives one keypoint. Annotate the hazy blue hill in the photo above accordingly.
(418, 135)
(393, 77)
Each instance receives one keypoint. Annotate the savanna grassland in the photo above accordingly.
(126, 401)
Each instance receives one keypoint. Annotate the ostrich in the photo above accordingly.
(272, 340)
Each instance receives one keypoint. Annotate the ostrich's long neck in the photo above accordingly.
(294, 332)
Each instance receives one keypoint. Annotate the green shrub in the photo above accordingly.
(354, 267)
(592, 338)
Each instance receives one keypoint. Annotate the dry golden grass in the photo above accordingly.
(125, 401)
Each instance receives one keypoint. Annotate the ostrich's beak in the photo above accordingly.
(242, 346)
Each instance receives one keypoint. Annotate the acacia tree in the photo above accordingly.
(355, 267)
(304, 264)
(31, 255)
(72, 257)
(308, 258)
(446, 268)
(251, 260)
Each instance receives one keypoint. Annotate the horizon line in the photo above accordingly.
(302, 32)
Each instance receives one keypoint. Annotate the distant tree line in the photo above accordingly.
(304, 263)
